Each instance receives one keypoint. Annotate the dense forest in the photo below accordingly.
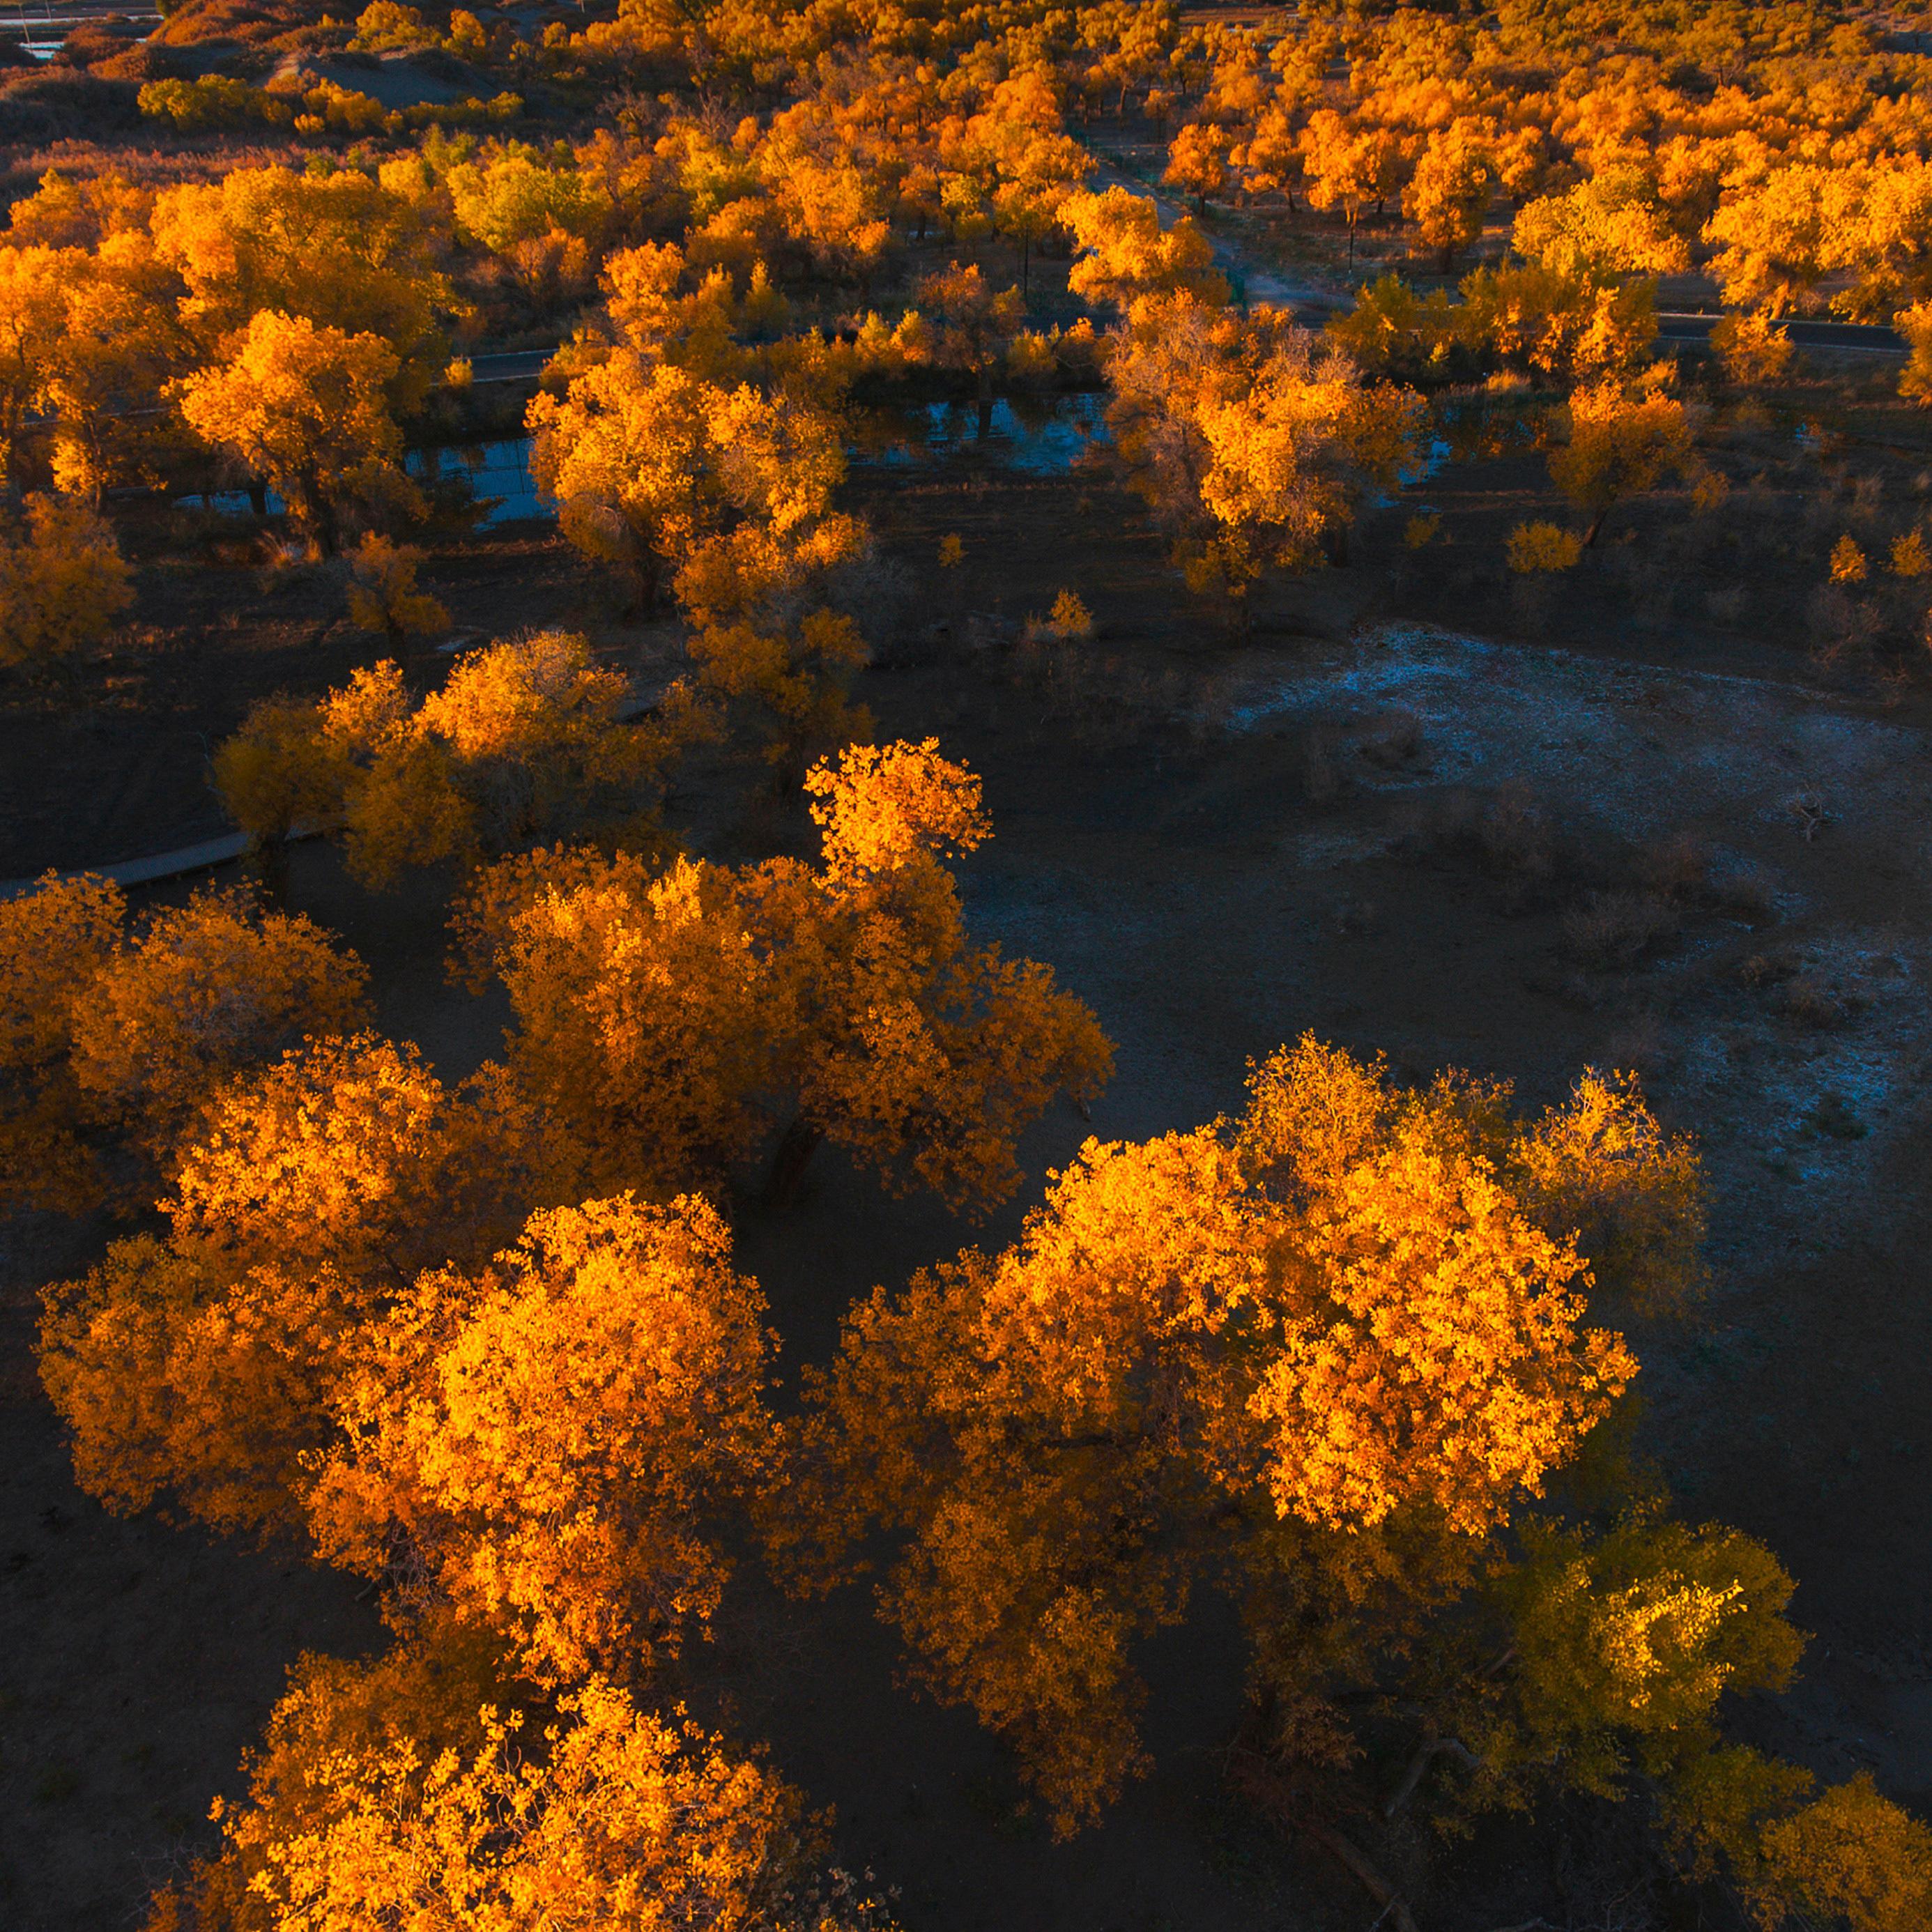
(617, 1316)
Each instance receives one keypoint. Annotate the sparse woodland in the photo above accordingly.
(1355, 1370)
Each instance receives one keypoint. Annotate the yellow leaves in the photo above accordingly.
(306, 409)
(207, 1366)
(1752, 347)
(351, 1150)
(1610, 226)
(1601, 1165)
(653, 466)
(63, 582)
(647, 1018)
(951, 552)
(1069, 620)
(1625, 1644)
(1125, 254)
(1251, 440)
(1543, 547)
(1313, 1344)
(879, 809)
(410, 1790)
(1449, 192)
(1440, 1361)
(1850, 1856)
(1910, 555)
(1659, 1631)
(1915, 324)
(1848, 561)
(382, 593)
(1621, 443)
(336, 249)
(584, 1408)
(205, 989)
(526, 740)
(1559, 324)
(970, 324)
(796, 676)
(665, 1022)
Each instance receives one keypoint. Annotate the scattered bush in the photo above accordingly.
(63, 582)
(1617, 929)
(1544, 546)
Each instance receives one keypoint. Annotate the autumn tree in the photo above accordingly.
(382, 593)
(205, 1365)
(556, 1441)
(1348, 166)
(1612, 225)
(1317, 1356)
(795, 680)
(1252, 441)
(305, 409)
(431, 1785)
(1915, 324)
(527, 740)
(1449, 193)
(657, 473)
(1123, 253)
(33, 319)
(1198, 162)
(971, 329)
(120, 341)
(63, 582)
(669, 1024)
(120, 1036)
(1621, 444)
(1752, 349)
(337, 250)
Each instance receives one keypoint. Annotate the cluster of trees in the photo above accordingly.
(1791, 143)
(365, 1289)
(1343, 1359)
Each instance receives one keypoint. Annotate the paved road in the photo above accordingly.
(509, 365)
(1808, 332)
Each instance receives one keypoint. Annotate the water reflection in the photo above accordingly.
(1039, 436)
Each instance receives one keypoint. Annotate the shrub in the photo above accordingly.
(216, 103)
(1752, 348)
(63, 581)
(382, 593)
(1544, 546)
(1848, 562)
(1617, 929)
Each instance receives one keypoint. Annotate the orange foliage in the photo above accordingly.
(1326, 1350)
(549, 1439)
(660, 1021)
(204, 1365)
(107, 1034)
(414, 1790)
(527, 740)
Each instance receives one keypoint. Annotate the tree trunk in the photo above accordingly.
(985, 399)
(1425, 1754)
(796, 1146)
(258, 499)
(269, 856)
(1596, 524)
(1395, 1912)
